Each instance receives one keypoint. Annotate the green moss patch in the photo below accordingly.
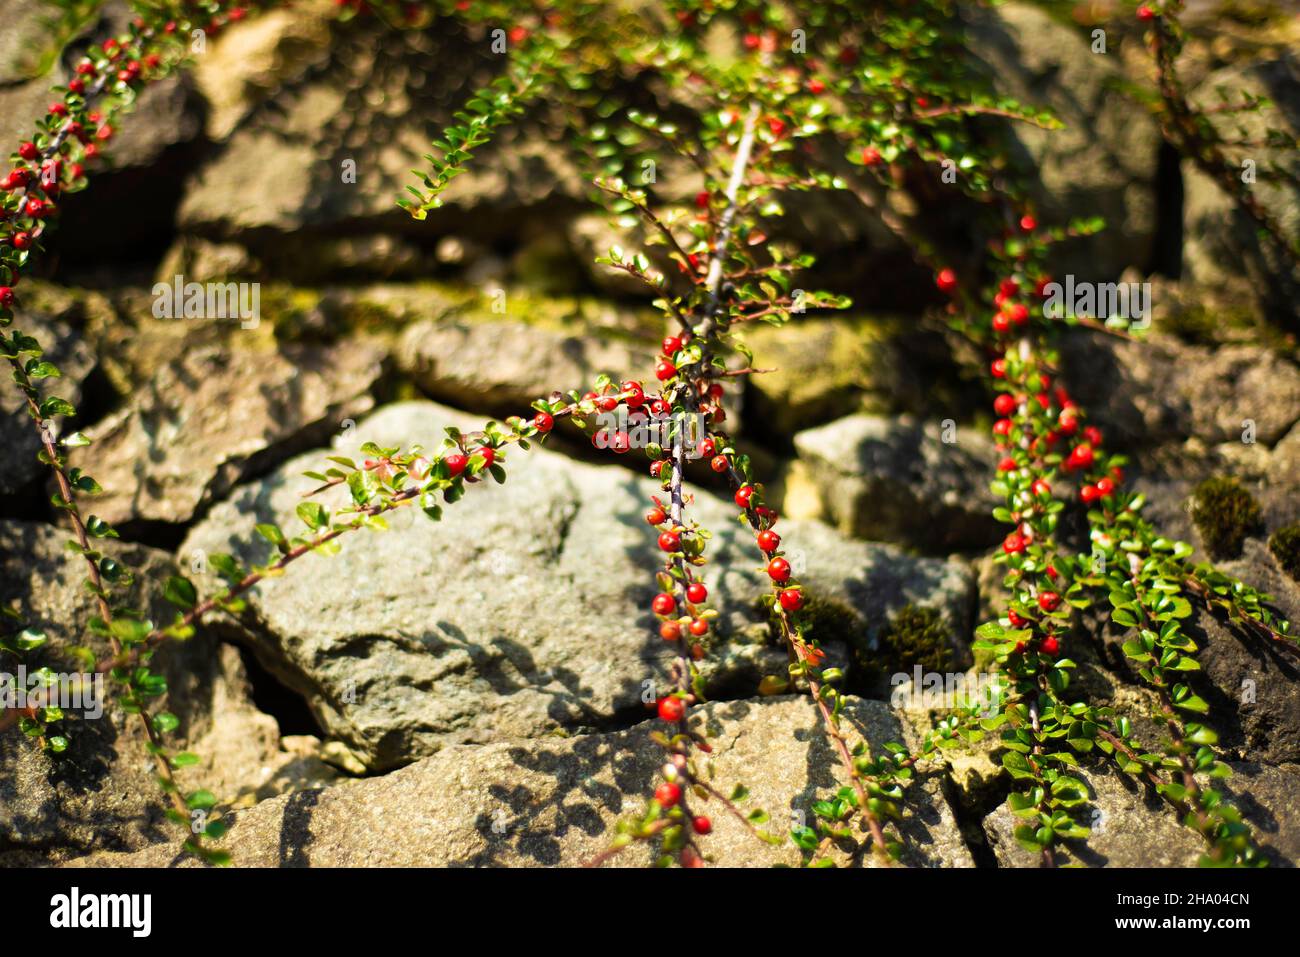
(1225, 514)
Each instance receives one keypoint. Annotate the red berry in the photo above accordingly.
(1002, 427)
(1008, 464)
(769, 541)
(670, 541)
(998, 368)
(1092, 434)
(607, 403)
(489, 455)
(778, 569)
(1050, 645)
(620, 442)
(6, 297)
(946, 280)
(656, 516)
(791, 599)
(22, 240)
(1080, 456)
(699, 627)
(701, 824)
(543, 421)
(1019, 313)
(1028, 223)
(1001, 324)
(28, 151)
(1104, 487)
(719, 463)
(671, 345)
(816, 86)
(665, 370)
(706, 448)
(702, 199)
(35, 208)
(670, 631)
(696, 593)
(1015, 619)
(664, 604)
(456, 463)
(1049, 600)
(744, 495)
(1013, 543)
(668, 794)
(77, 85)
(1145, 13)
(671, 709)
(871, 156)
(1004, 404)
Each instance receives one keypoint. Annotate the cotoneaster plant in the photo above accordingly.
(879, 102)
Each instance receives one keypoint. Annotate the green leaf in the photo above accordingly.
(181, 592)
(313, 514)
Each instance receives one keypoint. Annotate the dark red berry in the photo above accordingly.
(1050, 645)
(701, 824)
(665, 370)
(664, 604)
(791, 599)
(1049, 600)
(720, 463)
(744, 495)
(696, 593)
(671, 345)
(543, 421)
(769, 541)
(456, 463)
(779, 570)
(670, 541)
(946, 280)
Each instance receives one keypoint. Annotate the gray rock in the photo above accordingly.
(218, 416)
(897, 480)
(504, 366)
(1131, 827)
(20, 439)
(101, 793)
(526, 609)
(555, 801)
(1222, 246)
(361, 93)
(1154, 392)
(1103, 163)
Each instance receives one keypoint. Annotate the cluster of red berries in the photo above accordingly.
(73, 132)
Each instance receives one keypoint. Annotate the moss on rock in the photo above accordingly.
(1285, 546)
(1225, 514)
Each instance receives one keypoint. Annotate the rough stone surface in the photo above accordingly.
(1155, 392)
(1222, 247)
(1103, 162)
(218, 416)
(1130, 828)
(483, 625)
(504, 366)
(100, 793)
(554, 802)
(895, 479)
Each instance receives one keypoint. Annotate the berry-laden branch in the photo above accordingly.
(105, 83)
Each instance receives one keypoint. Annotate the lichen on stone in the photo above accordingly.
(1225, 513)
